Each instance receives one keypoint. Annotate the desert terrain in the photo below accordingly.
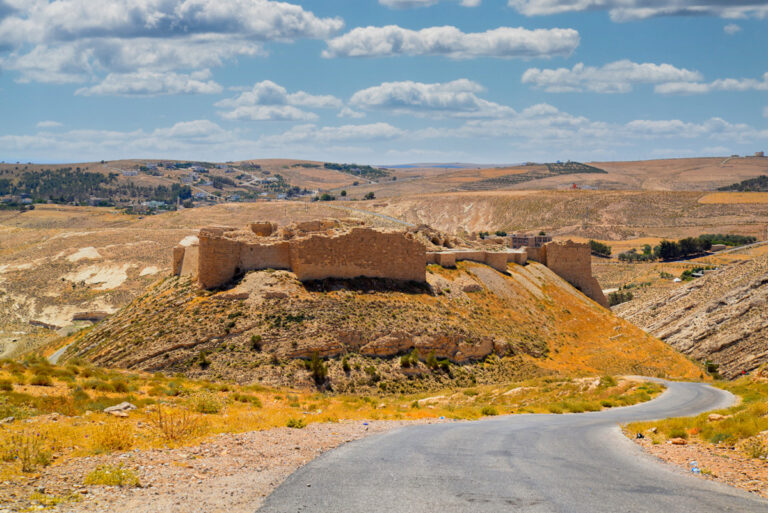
(249, 365)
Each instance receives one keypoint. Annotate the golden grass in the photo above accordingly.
(730, 198)
(166, 417)
(742, 426)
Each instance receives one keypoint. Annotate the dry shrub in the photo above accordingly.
(756, 448)
(206, 402)
(114, 436)
(109, 475)
(30, 449)
(175, 424)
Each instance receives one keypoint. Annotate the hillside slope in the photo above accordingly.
(722, 316)
(605, 215)
(529, 322)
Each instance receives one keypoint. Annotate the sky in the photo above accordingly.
(382, 81)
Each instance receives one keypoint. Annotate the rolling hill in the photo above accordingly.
(376, 334)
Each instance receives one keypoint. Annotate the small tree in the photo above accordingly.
(369, 196)
(343, 194)
(318, 369)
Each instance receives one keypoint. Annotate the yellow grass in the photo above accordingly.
(252, 408)
(728, 198)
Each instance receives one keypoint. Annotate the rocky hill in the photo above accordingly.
(722, 316)
(467, 325)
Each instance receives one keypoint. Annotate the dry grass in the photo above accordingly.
(734, 198)
(168, 420)
(743, 426)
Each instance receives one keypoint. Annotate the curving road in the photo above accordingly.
(525, 463)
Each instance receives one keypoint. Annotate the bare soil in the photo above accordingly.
(717, 463)
(229, 473)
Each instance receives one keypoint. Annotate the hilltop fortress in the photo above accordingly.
(346, 249)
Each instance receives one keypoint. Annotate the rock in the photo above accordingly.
(678, 441)
(120, 408)
(653, 430)
(714, 417)
(7, 420)
(118, 414)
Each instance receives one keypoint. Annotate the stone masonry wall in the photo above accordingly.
(360, 252)
(573, 262)
(275, 255)
(219, 257)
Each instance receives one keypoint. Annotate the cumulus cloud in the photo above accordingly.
(629, 10)
(538, 132)
(451, 99)
(153, 83)
(722, 84)
(49, 124)
(407, 4)
(504, 42)
(67, 20)
(615, 77)
(267, 101)
(77, 40)
(731, 29)
(347, 112)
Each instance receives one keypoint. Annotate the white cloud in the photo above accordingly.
(722, 84)
(731, 29)
(628, 10)
(78, 40)
(615, 77)
(67, 20)
(152, 83)
(504, 42)
(450, 99)
(407, 4)
(347, 112)
(538, 132)
(49, 124)
(268, 113)
(269, 101)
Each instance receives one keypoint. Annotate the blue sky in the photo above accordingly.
(382, 81)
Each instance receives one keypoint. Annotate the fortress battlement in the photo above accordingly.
(346, 249)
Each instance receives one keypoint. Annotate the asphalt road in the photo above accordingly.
(527, 463)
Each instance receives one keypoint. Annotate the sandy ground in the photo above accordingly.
(716, 462)
(229, 473)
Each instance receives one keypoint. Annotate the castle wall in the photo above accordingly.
(191, 259)
(538, 254)
(265, 256)
(497, 260)
(519, 257)
(219, 258)
(178, 259)
(573, 262)
(360, 252)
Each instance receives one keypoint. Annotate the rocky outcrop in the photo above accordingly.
(722, 317)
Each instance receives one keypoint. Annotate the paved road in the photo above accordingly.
(526, 463)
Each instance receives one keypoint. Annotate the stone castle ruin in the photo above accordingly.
(347, 249)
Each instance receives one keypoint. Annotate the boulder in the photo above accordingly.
(121, 408)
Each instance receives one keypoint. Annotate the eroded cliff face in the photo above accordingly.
(527, 321)
(722, 316)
